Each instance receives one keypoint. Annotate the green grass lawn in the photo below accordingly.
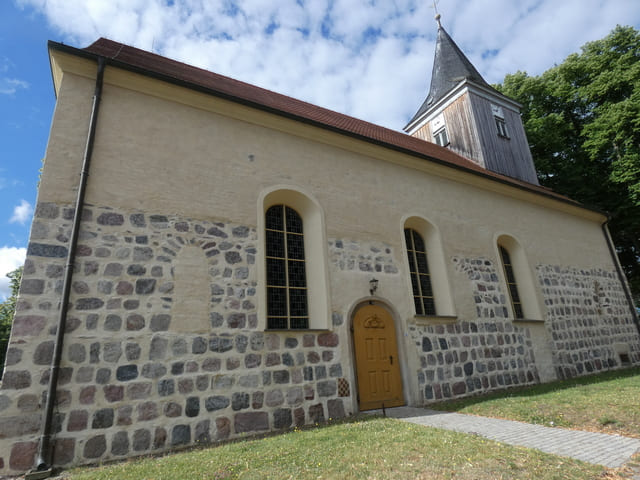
(368, 448)
(608, 403)
(381, 448)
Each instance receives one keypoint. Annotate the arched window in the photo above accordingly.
(287, 306)
(423, 297)
(512, 285)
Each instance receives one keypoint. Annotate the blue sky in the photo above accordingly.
(367, 58)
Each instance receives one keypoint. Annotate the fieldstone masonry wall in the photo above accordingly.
(350, 255)
(475, 356)
(162, 346)
(587, 314)
(132, 381)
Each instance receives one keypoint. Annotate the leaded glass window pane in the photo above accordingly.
(300, 323)
(274, 219)
(276, 301)
(425, 286)
(286, 273)
(295, 246)
(275, 243)
(294, 222)
(512, 285)
(276, 274)
(419, 271)
(277, 323)
(297, 277)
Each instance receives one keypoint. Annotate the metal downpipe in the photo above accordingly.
(43, 463)
(621, 275)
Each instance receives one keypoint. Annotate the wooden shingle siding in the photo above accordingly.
(508, 156)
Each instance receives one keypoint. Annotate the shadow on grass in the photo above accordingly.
(534, 390)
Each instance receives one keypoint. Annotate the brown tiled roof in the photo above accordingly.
(151, 64)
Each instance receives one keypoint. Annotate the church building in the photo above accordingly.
(210, 260)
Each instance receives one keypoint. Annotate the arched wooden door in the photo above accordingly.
(377, 363)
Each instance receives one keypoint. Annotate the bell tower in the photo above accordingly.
(466, 114)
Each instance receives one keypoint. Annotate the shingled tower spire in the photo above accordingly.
(464, 113)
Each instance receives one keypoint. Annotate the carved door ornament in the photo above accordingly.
(373, 322)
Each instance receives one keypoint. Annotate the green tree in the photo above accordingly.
(582, 119)
(7, 310)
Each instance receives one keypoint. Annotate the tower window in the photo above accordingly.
(502, 127)
(441, 137)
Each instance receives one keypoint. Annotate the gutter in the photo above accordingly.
(43, 464)
(621, 275)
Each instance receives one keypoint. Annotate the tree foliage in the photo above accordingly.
(582, 119)
(7, 310)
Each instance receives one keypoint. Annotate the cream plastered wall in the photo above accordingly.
(173, 151)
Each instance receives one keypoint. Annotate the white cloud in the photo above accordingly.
(21, 213)
(367, 58)
(10, 259)
(9, 86)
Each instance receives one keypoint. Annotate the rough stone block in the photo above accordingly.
(43, 353)
(27, 325)
(251, 422)
(22, 456)
(329, 339)
(120, 443)
(192, 408)
(125, 373)
(135, 322)
(95, 447)
(327, 388)
(216, 402)
(141, 440)
(46, 250)
(145, 286)
(16, 380)
(77, 353)
(32, 286)
(91, 303)
(316, 413)
(274, 398)
(172, 410)
(18, 426)
(154, 370)
(78, 420)
(64, 450)
(252, 360)
(158, 349)
(160, 323)
(282, 418)
(335, 408)
(147, 411)
(139, 391)
(223, 428)
(103, 418)
(180, 435)
(239, 401)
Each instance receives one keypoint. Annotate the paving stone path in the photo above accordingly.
(612, 451)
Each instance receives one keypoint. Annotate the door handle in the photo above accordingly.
(391, 359)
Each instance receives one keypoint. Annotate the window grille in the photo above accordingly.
(420, 276)
(512, 286)
(287, 306)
